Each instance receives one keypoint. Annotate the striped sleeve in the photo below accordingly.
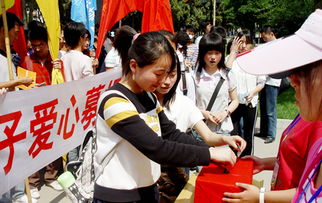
(116, 109)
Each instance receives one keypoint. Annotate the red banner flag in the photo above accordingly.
(19, 45)
(156, 16)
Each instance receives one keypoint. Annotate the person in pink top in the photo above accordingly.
(302, 140)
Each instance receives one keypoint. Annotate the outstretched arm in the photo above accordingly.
(214, 139)
(251, 194)
(14, 83)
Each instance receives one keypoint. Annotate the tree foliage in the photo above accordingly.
(285, 15)
(190, 13)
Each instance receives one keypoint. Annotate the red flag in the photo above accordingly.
(156, 16)
(19, 45)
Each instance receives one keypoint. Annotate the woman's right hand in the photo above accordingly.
(235, 45)
(223, 156)
(259, 164)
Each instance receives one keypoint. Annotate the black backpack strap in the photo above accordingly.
(214, 95)
(184, 83)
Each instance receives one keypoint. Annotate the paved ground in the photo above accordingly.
(48, 195)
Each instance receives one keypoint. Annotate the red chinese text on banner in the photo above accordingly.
(39, 125)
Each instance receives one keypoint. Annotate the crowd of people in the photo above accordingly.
(183, 103)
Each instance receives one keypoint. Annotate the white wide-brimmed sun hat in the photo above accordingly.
(285, 54)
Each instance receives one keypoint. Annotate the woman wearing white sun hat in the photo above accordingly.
(299, 57)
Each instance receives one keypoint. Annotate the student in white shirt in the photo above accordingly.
(121, 45)
(268, 97)
(210, 69)
(179, 42)
(134, 131)
(76, 64)
(184, 113)
(248, 87)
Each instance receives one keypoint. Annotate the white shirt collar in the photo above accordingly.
(221, 72)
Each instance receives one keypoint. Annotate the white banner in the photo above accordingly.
(39, 125)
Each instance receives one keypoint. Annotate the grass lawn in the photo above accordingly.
(286, 108)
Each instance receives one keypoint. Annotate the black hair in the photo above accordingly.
(88, 34)
(34, 24)
(62, 26)
(268, 29)
(241, 33)
(168, 34)
(204, 25)
(230, 42)
(183, 39)
(171, 95)
(209, 42)
(190, 28)
(73, 31)
(38, 33)
(12, 20)
(148, 48)
(219, 30)
(249, 39)
(248, 36)
(123, 40)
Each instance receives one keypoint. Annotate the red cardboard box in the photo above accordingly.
(212, 182)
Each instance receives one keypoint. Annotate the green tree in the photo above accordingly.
(190, 12)
(285, 15)
(30, 8)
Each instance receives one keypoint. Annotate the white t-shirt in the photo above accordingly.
(204, 91)
(108, 44)
(197, 41)
(113, 59)
(246, 83)
(61, 53)
(4, 72)
(183, 112)
(190, 83)
(76, 65)
(273, 82)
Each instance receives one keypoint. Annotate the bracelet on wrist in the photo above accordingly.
(262, 195)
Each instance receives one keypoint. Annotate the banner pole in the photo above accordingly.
(8, 51)
(27, 189)
(7, 42)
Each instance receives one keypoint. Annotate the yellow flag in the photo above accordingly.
(50, 12)
(8, 4)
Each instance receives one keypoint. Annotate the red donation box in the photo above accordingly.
(212, 182)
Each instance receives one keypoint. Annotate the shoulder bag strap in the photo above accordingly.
(214, 95)
(184, 83)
